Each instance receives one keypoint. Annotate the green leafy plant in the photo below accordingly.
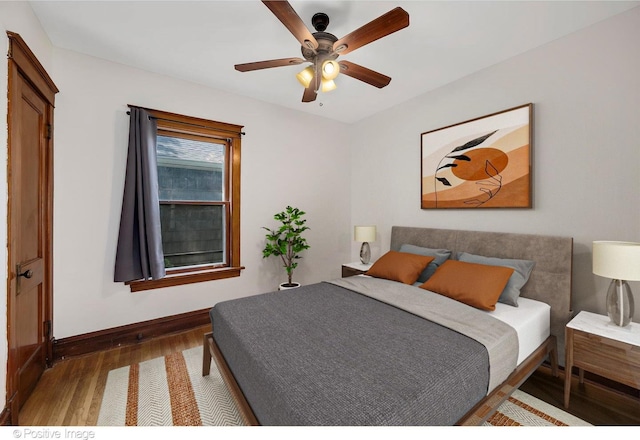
(287, 242)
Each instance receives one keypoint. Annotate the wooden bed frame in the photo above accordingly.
(550, 282)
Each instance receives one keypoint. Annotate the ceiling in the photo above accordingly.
(201, 41)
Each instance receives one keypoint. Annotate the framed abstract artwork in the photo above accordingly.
(480, 163)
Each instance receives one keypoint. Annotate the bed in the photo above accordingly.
(379, 350)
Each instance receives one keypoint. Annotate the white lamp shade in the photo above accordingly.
(618, 260)
(364, 233)
(330, 69)
(305, 76)
(328, 85)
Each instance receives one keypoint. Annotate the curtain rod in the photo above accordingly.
(242, 133)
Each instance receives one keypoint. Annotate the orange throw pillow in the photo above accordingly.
(477, 285)
(399, 266)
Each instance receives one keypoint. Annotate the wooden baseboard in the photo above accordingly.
(128, 334)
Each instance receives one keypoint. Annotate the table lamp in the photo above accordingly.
(620, 261)
(364, 234)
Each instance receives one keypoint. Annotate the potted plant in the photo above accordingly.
(287, 242)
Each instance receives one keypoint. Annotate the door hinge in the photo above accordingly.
(47, 328)
(47, 131)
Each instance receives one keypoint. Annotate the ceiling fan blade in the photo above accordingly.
(246, 67)
(382, 26)
(309, 94)
(363, 74)
(292, 21)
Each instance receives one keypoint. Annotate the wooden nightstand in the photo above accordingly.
(595, 344)
(351, 269)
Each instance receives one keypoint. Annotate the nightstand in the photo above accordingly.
(351, 269)
(595, 344)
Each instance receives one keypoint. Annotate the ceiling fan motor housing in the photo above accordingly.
(325, 47)
(325, 40)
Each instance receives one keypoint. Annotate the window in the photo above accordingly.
(199, 192)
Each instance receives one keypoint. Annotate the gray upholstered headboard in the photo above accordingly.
(550, 280)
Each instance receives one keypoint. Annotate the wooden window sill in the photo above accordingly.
(179, 279)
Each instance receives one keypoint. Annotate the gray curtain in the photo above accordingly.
(139, 254)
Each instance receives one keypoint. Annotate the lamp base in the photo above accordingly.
(365, 253)
(620, 305)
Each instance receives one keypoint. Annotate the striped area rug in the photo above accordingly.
(522, 409)
(170, 391)
(167, 391)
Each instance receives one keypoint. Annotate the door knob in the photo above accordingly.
(26, 274)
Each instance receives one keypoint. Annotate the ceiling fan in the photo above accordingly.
(322, 49)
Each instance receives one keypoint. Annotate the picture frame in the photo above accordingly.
(480, 163)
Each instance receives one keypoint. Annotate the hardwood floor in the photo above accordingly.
(70, 393)
(590, 401)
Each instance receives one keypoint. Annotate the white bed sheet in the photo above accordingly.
(531, 320)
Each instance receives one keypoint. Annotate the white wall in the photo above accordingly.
(287, 158)
(15, 17)
(586, 155)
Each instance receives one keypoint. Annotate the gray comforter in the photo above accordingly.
(359, 351)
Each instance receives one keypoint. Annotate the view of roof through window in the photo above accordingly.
(189, 150)
(190, 169)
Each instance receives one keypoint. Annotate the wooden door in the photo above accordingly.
(29, 298)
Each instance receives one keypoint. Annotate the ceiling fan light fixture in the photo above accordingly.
(328, 85)
(305, 76)
(322, 48)
(330, 70)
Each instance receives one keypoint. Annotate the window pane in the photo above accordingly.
(190, 170)
(192, 234)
